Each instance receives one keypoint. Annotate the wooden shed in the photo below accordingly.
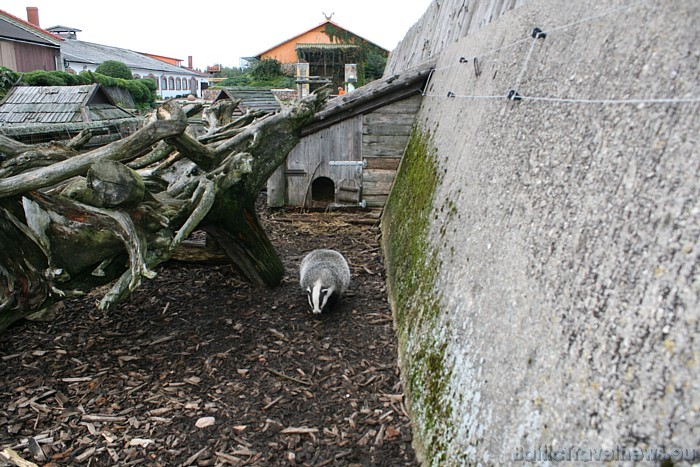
(35, 114)
(349, 153)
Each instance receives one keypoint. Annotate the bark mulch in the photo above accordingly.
(199, 368)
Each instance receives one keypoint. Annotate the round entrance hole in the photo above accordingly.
(322, 192)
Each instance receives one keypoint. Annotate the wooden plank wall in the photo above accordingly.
(7, 55)
(309, 159)
(385, 133)
(33, 57)
(378, 137)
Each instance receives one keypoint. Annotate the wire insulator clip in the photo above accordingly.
(537, 33)
(514, 96)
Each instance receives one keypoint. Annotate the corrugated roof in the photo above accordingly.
(40, 105)
(312, 45)
(95, 54)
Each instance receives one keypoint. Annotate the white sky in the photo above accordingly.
(219, 31)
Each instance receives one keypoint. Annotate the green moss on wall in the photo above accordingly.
(411, 261)
(427, 384)
(412, 267)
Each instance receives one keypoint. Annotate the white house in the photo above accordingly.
(171, 80)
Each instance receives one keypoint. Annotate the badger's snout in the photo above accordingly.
(320, 297)
(324, 275)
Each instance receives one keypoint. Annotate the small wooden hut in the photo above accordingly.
(36, 114)
(349, 154)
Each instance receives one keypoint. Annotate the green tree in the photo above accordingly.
(231, 72)
(374, 66)
(267, 69)
(114, 69)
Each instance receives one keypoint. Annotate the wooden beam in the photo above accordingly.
(373, 96)
(383, 163)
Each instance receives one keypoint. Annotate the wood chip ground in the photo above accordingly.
(198, 368)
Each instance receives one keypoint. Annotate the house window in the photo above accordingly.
(164, 82)
(171, 83)
(184, 83)
(178, 84)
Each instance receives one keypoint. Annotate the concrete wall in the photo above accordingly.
(543, 256)
(445, 22)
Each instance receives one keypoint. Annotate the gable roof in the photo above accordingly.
(325, 23)
(372, 96)
(41, 105)
(94, 54)
(14, 28)
(251, 98)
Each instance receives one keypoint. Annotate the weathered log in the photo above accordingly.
(18, 157)
(114, 185)
(219, 114)
(80, 140)
(204, 251)
(11, 147)
(171, 122)
(95, 220)
(157, 154)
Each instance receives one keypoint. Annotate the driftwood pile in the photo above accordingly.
(72, 221)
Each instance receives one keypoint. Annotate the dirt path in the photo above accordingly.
(129, 387)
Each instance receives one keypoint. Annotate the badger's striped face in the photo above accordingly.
(318, 296)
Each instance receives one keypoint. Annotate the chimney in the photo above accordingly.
(33, 16)
(189, 61)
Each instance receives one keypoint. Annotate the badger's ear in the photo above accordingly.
(308, 290)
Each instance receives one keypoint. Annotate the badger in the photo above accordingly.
(325, 276)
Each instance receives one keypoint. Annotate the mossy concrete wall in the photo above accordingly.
(543, 255)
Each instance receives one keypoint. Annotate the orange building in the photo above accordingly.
(327, 48)
(286, 52)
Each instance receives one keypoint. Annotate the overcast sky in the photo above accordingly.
(219, 31)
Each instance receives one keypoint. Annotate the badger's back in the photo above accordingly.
(328, 266)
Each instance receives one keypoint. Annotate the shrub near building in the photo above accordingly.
(114, 69)
(143, 91)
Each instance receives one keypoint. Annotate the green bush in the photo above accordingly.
(278, 82)
(149, 83)
(8, 78)
(142, 92)
(236, 81)
(43, 78)
(114, 69)
(139, 92)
